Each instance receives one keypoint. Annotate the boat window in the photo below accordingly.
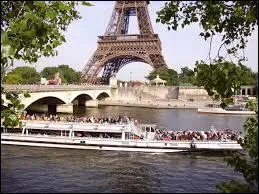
(152, 129)
(13, 130)
(127, 136)
(148, 129)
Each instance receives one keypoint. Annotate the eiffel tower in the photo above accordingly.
(118, 48)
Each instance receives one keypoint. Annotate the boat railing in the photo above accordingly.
(206, 140)
(48, 124)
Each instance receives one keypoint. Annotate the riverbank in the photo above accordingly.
(179, 104)
(200, 106)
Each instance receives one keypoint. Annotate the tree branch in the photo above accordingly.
(208, 56)
(228, 53)
(220, 49)
(20, 11)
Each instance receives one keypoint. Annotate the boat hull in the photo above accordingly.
(86, 147)
(117, 145)
(222, 111)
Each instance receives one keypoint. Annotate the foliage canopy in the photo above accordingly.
(67, 74)
(169, 75)
(30, 29)
(234, 21)
(28, 74)
(246, 162)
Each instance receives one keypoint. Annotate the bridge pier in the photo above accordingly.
(65, 108)
(91, 103)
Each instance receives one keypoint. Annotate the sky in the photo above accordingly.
(180, 48)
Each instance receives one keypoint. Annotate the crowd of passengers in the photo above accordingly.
(160, 134)
(90, 119)
(211, 135)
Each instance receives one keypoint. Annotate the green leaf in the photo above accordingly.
(48, 48)
(85, 3)
(51, 14)
(8, 51)
(4, 38)
(26, 95)
(63, 38)
(40, 4)
(63, 7)
(8, 96)
(195, 19)
(20, 107)
(207, 35)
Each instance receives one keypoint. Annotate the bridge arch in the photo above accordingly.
(47, 100)
(80, 99)
(102, 96)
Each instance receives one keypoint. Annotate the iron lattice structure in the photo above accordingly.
(118, 48)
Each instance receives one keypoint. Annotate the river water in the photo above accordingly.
(35, 169)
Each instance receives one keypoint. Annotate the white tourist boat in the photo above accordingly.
(222, 111)
(121, 137)
(236, 109)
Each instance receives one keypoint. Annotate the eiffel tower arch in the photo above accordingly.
(118, 48)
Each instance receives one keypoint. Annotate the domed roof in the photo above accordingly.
(158, 80)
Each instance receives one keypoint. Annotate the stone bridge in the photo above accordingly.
(61, 97)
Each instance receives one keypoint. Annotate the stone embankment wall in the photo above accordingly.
(146, 93)
(193, 92)
(160, 93)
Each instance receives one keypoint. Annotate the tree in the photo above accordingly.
(234, 21)
(30, 29)
(187, 76)
(14, 110)
(248, 77)
(49, 72)
(69, 74)
(13, 79)
(246, 162)
(28, 74)
(169, 75)
(220, 80)
(185, 71)
(252, 105)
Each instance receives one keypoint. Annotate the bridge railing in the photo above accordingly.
(128, 37)
(35, 88)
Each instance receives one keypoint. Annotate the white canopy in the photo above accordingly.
(158, 80)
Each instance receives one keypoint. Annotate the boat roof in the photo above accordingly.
(90, 127)
(147, 125)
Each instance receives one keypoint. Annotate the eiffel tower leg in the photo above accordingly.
(90, 68)
(158, 60)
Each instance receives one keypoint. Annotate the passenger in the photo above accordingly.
(220, 135)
